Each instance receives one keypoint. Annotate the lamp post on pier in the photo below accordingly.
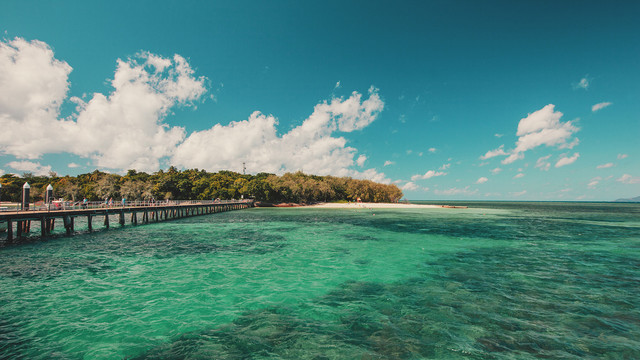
(26, 189)
(48, 196)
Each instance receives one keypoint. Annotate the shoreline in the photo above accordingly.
(353, 205)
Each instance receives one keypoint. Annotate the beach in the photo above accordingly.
(368, 205)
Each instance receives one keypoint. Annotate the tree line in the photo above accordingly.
(174, 184)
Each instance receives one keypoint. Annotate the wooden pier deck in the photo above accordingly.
(17, 224)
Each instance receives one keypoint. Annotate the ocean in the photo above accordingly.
(494, 281)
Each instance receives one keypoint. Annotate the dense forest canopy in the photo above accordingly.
(199, 184)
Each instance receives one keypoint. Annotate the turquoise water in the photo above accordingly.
(495, 281)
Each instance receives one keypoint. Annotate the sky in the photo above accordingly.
(473, 100)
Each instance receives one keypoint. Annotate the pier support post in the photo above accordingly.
(19, 229)
(9, 230)
(68, 224)
(50, 225)
(106, 220)
(121, 218)
(89, 222)
(43, 227)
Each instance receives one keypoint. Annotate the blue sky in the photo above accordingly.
(496, 100)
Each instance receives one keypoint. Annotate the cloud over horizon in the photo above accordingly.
(542, 127)
(121, 130)
(126, 128)
(310, 147)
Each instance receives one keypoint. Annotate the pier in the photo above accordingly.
(17, 224)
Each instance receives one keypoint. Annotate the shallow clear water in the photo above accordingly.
(495, 281)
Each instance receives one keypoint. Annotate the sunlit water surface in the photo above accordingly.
(495, 281)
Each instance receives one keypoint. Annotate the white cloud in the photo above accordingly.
(73, 165)
(121, 130)
(428, 175)
(518, 176)
(125, 129)
(482, 180)
(410, 186)
(592, 184)
(543, 164)
(599, 106)
(582, 84)
(310, 147)
(444, 166)
(628, 179)
(1, 172)
(456, 191)
(493, 153)
(520, 193)
(432, 150)
(542, 127)
(622, 156)
(567, 160)
(605, 166)
(496, 171)
(361, 160)
(29, 166)
(388, 162)
(337, 85)
(498, 135)
(33, 85)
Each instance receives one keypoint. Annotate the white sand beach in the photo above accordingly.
(372, 206)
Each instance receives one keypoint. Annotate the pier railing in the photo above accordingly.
(80, 205)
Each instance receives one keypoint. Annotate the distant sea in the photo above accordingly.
(494, 281)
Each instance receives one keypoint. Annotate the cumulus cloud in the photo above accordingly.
(73, 165)
(582, 84)
(482, 180)
(410, 186)
(496, 171)
(310, 147)
(594, 182)
(1, 172)
(28, 166)
(622, 156)
(432, 150)
(520, 193)
(605, 166)
(444, 166)
(388, 162)
(599, 106)
(122, 130)
(542, 127)
(33, 85)
(361, 160)
(543, 163)
(493, 153)
(628, 179)
(565, 160)
(457, 191)
(428, 175)
(125, 128)
(518, 176)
